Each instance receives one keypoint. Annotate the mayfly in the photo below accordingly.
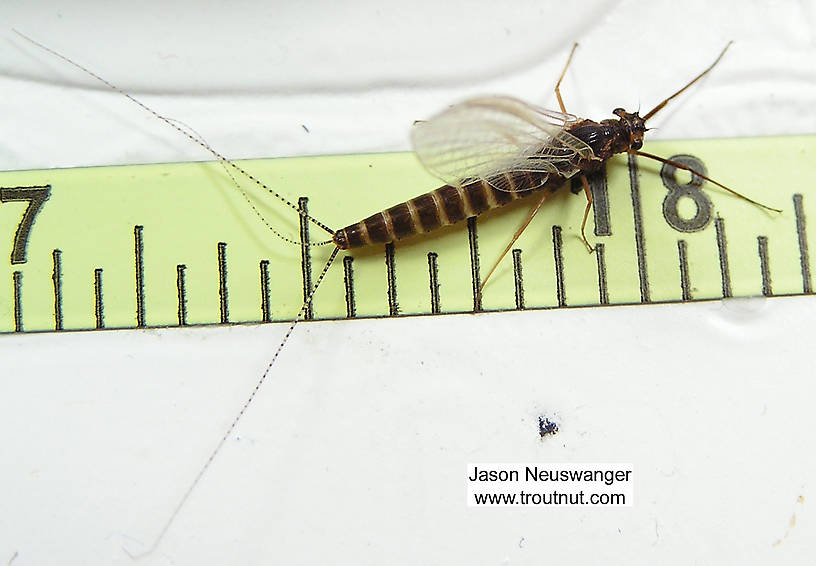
(494, 150)
(489, 152)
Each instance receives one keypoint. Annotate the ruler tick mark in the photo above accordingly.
(266, 314)
(138, 254)
(99, 308)
(348, 283)
(305, 256)
(56, 279)
(685, 284)
(222, 282)
(473, 241)
(558, 256)
(600, 258)
(600, 201)
(801, 232)
(181, 289)
(722, 251)
(390, 267)
(762, 248)
(640, 242)
(433, 278)
(17, 284)
(518, 279)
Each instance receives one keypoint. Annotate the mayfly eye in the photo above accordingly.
(637, 145)
(618, 111)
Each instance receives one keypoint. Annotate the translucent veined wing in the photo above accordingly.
(482, 138)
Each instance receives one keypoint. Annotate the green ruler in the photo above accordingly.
(178, 244)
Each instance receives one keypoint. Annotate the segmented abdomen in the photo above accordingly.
(441, 207)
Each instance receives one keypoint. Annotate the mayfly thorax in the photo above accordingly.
(488, 152)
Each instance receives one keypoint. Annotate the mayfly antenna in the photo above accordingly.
(709, 179)
(679, 165)
(660, 106)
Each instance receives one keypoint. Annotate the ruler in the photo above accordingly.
(180, 245)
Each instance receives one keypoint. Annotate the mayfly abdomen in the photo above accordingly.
(441, 207)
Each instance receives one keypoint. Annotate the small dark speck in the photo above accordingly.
(521, 542)
(13, 557)
(370, 165)
(304, 128)
(546, 427)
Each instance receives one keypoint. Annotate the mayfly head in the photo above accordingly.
(634, 125)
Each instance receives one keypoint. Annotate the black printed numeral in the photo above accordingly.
(668, 174)
(36, 197)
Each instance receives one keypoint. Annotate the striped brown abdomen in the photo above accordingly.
(441, 207)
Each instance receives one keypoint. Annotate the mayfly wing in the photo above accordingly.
(482, 138)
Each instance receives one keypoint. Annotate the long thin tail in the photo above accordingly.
(193, 138)
(228, 432)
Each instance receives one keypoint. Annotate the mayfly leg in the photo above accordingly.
(561, 78)
(537, 206)
(516, 236)
(588, 193)
(584, 181)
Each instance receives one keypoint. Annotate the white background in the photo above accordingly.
(355, 450)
